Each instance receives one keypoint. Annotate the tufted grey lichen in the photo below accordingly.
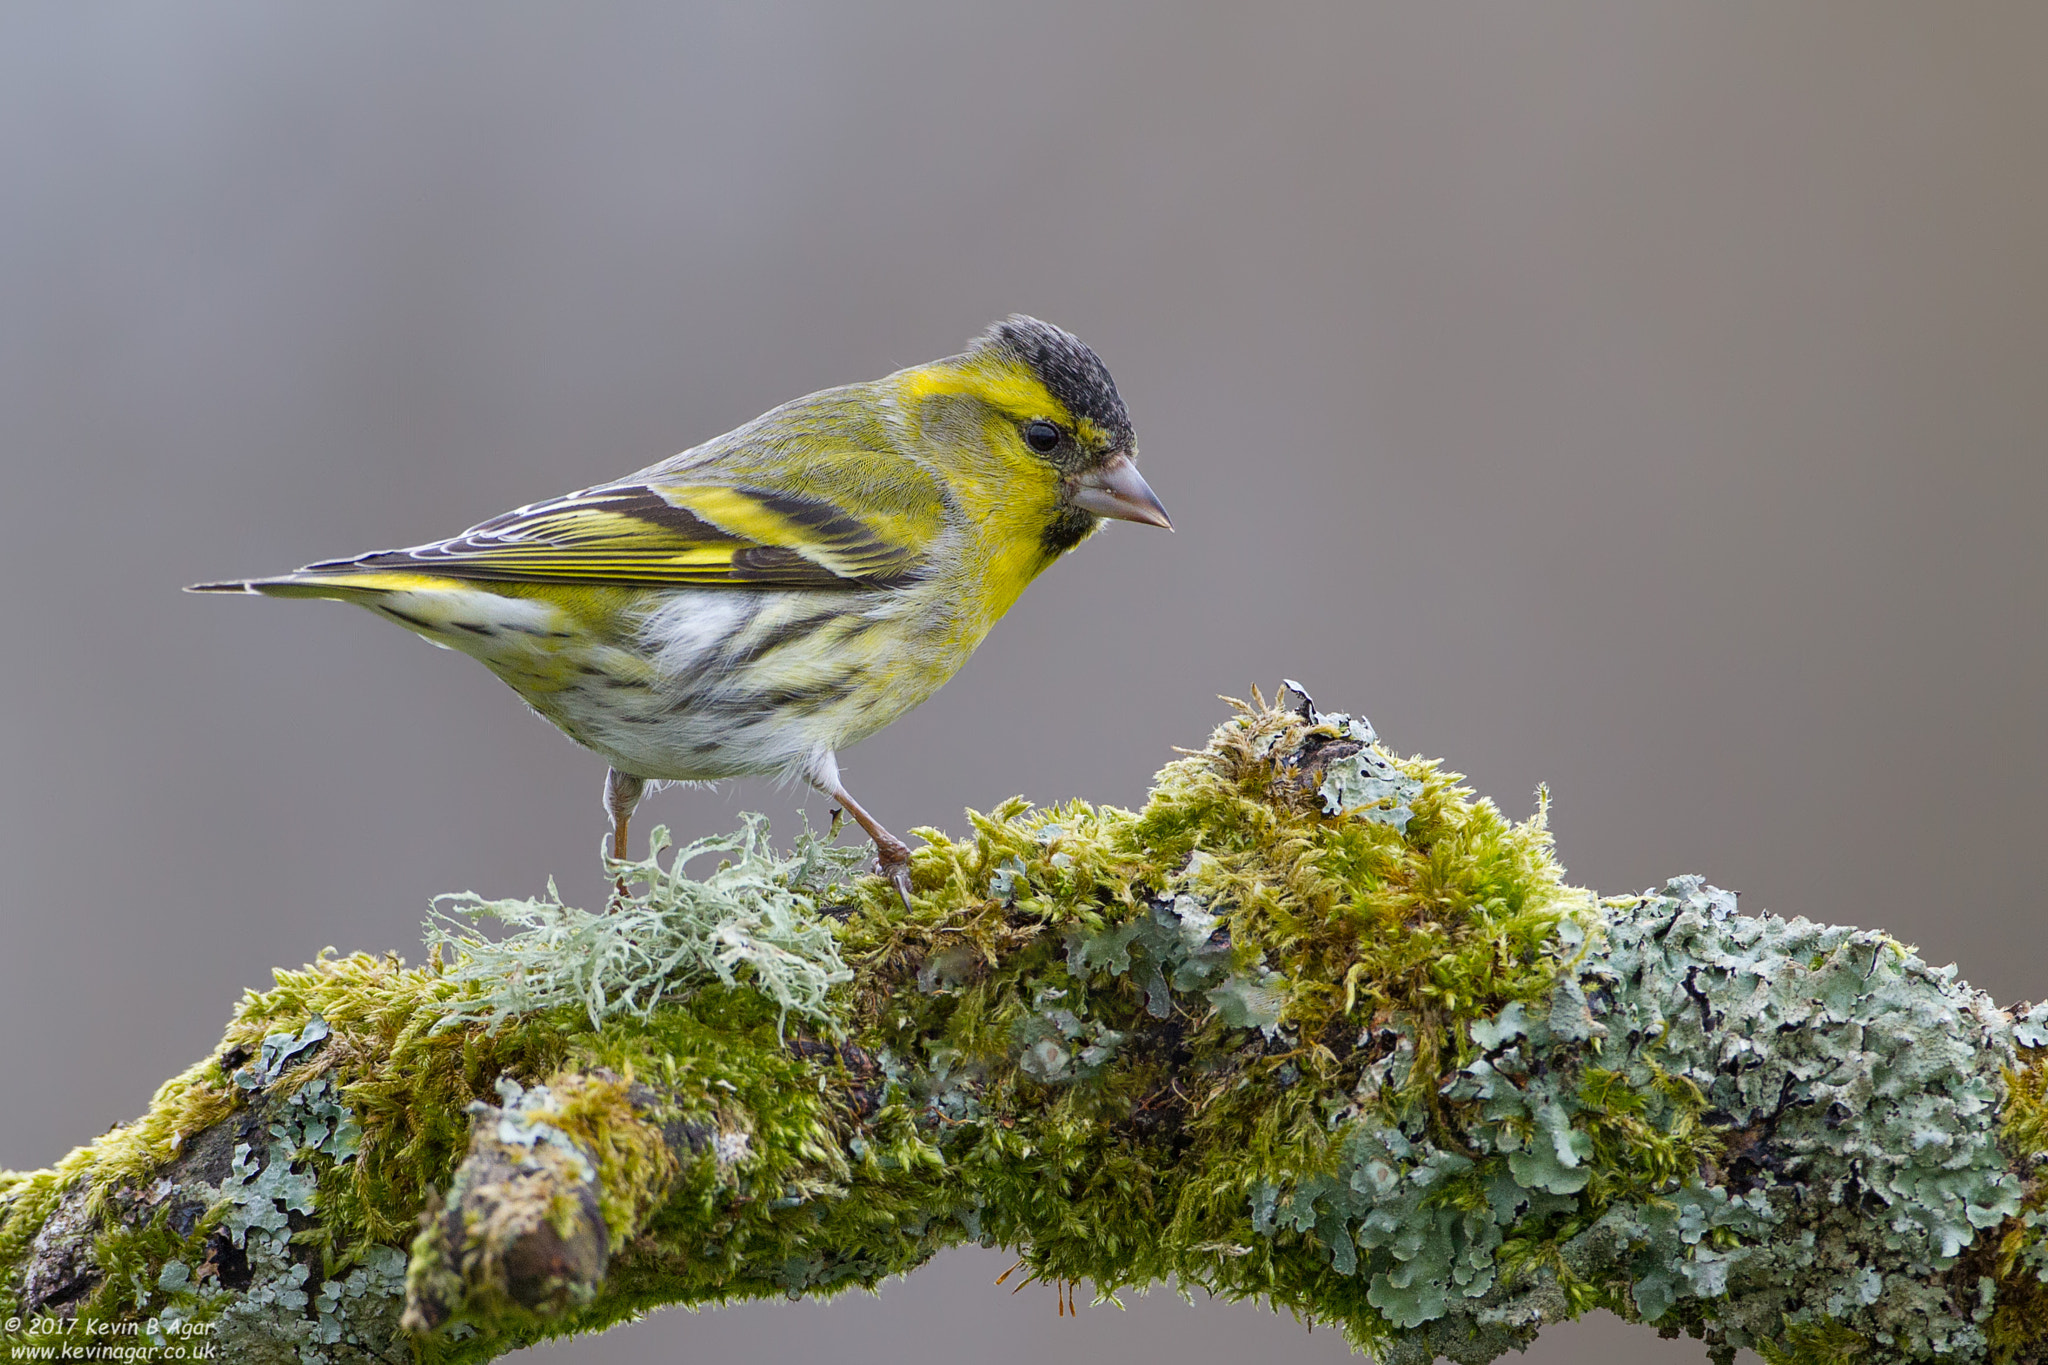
(755, 914)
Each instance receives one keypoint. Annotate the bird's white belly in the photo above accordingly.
(706, 683)
(723, 684)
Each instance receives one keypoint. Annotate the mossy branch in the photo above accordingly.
(1315, 1026)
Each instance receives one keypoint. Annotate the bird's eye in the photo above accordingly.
(1041, 436)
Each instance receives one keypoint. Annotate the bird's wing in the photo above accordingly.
(691, 528)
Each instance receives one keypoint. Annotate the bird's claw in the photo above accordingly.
(894, 864)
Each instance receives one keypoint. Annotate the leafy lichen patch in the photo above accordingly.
(1853, 1085)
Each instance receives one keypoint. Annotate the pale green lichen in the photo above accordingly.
(289, 1309)
(753, 917)
(1367, 784)
(521, 1119)
(1856, 1086)
(1055, 1044)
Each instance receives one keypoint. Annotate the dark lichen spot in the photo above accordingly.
(184, 1216)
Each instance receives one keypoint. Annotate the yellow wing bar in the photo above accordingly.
(630, 534)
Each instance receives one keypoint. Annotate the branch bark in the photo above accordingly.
(1315, 1026)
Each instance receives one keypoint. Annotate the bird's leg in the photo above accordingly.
(621, 795)
(892, 855)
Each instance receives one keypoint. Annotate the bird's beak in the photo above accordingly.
(1118, 490)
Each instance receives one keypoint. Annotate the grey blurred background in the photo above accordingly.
(1643, 398)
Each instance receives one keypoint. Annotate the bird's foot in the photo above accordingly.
(892, 855)
(894, 864)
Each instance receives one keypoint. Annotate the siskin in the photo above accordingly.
(758, 602)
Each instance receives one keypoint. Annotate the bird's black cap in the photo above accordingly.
(1069, 370)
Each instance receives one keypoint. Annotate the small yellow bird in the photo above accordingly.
(760, 601)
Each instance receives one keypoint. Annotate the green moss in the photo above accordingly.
(2018, 1330)
(1821, 1342)
(632, 1162)
(27, 1199)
